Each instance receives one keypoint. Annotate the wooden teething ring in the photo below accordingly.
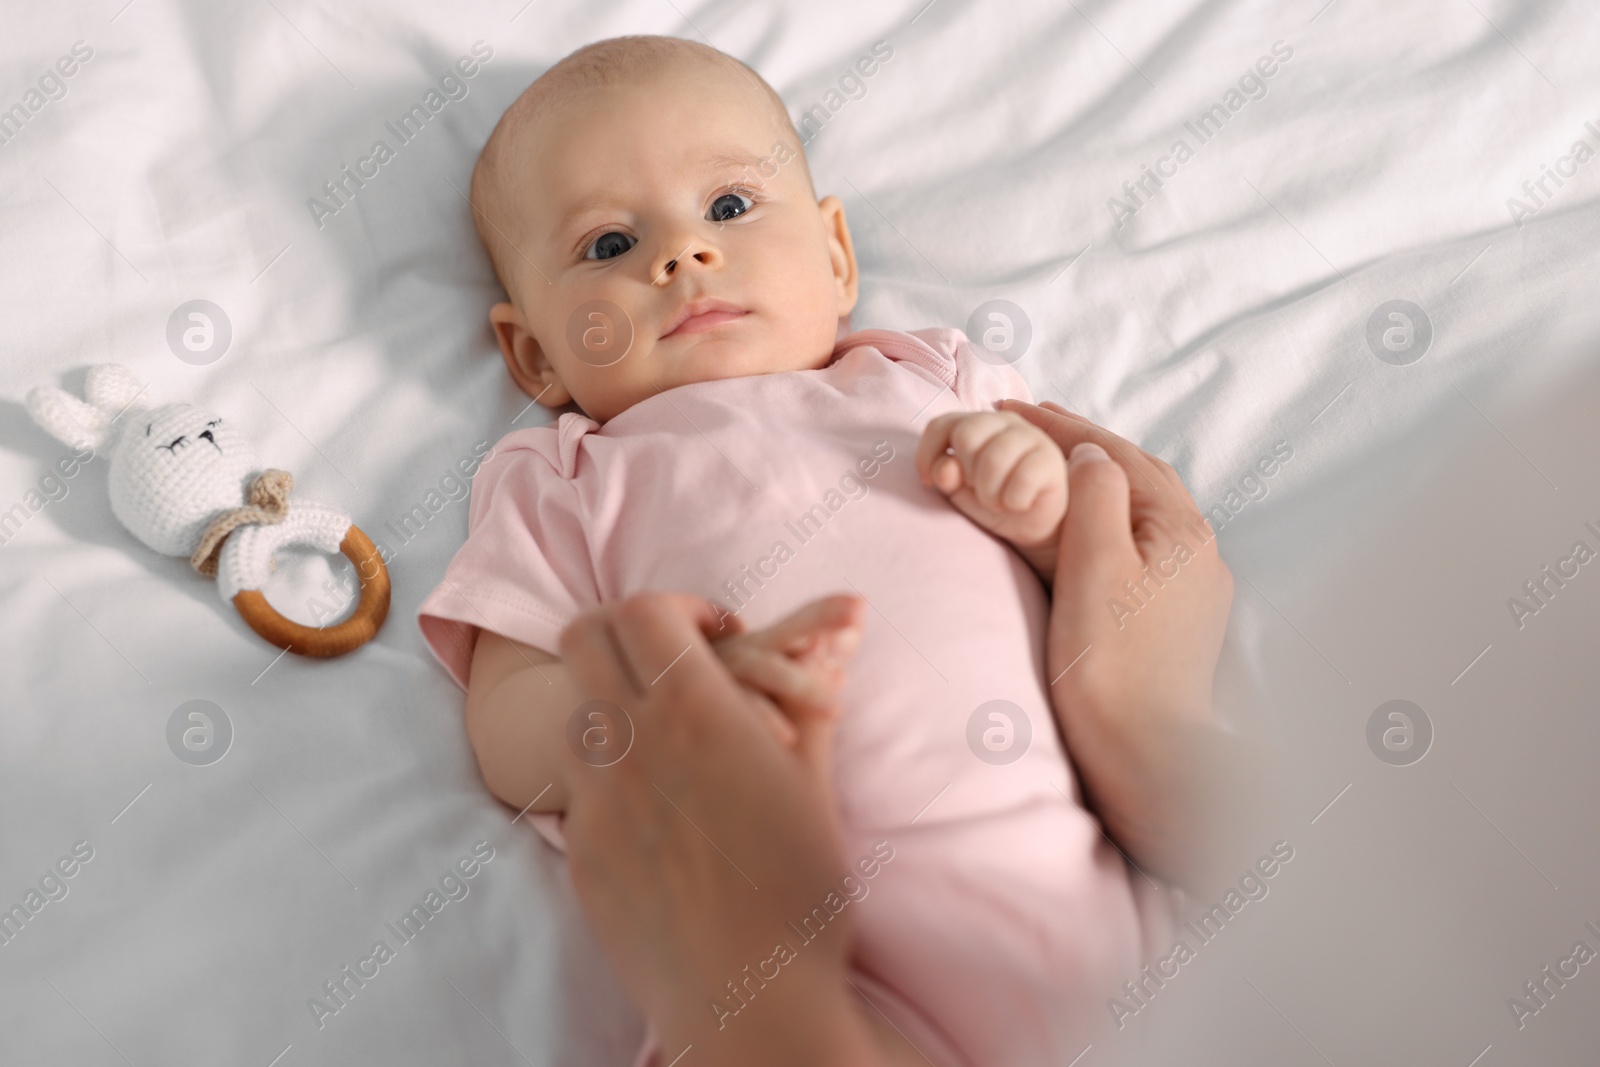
(336, 640)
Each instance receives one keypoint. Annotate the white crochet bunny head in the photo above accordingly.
(173, 468)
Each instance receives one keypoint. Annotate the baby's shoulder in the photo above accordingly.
(935, 349)
(973, 373)
(538, 451)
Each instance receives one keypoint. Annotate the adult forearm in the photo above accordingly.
(810, 1024)
(1184, 798)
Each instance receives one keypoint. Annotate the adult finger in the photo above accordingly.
(1068, 430)
(628, 650)
(1161, 511)
(814, 746)
(1149, 474)
(1096, 537)
(801, 630)
(796, 690)
(660, 632)
(782, 727)
(590, 649)
(729, 624)
(824, 633)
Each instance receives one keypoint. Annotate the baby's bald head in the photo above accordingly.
(647, 206)
(519, 139)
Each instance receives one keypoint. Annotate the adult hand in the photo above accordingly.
(1138, 612)
(793, 670)
(692, 852)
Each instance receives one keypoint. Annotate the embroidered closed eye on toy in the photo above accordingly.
(187, 484)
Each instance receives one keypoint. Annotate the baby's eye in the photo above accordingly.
(729, 206)
(609, 246)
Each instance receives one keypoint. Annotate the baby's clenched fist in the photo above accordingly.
(1004, 474)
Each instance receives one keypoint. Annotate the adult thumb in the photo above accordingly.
(1097, 536)
(814, 747)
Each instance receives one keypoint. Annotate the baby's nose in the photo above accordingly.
(694, 252)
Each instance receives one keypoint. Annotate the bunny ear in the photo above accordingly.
(112, 388)
(68, 419)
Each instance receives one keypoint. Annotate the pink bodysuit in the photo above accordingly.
(1004, 918)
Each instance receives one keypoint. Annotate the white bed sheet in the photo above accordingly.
(1226, 315)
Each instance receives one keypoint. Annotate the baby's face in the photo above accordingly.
(677, 212)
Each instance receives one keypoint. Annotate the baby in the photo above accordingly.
(671, 272)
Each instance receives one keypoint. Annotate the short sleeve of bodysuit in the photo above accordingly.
(525, 570)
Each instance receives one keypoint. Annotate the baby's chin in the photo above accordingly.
(719, 360)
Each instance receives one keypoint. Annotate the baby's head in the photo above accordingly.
(657, 178)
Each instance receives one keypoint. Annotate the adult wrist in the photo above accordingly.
(806, 1025)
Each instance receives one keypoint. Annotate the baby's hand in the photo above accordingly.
(1004, 474)
(794, 668)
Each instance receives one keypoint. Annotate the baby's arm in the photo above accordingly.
(519, 698)
(1003, 473)
(518, 701)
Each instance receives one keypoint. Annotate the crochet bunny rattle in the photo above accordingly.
(187, 484)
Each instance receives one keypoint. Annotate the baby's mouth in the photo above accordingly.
(702, 315)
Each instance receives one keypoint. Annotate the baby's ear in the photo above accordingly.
(841, 253)
(526, 360)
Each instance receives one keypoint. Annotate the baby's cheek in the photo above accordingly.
(807, 313)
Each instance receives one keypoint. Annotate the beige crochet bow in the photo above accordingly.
(269, 503)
